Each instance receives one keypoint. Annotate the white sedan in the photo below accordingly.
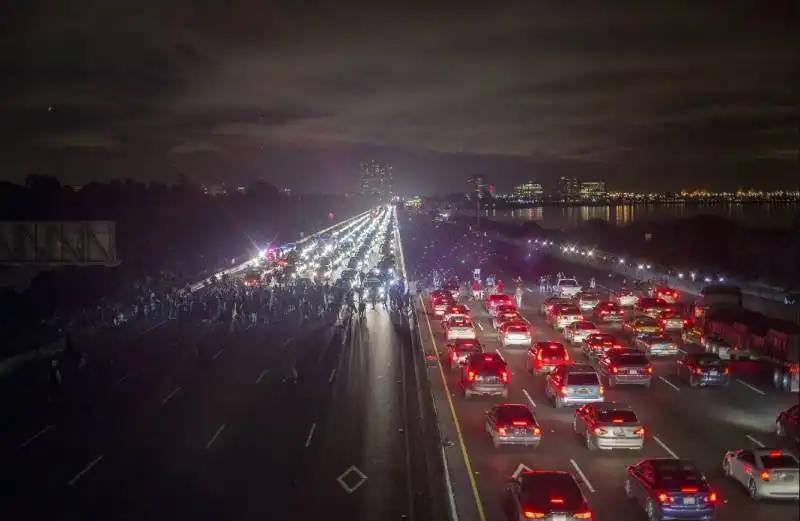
(458, 328)
(766, 473)
(577, 332)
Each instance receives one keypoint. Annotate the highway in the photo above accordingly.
(194, 422)
(695, 424)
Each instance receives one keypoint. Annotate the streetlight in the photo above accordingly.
(680, 275)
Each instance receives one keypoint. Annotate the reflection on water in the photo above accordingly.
(771, 215)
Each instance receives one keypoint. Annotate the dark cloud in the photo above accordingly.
(546, 86)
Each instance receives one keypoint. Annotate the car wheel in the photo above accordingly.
(628, 489)
(558, 403)
(467, 393)
(505, 393)
(692, 382)
(589, 443)
(726, 467)
(612, 382)
(495, 442)
(752, 489)
(652, 512)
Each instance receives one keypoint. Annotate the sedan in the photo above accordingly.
(607, 426)
(512, 424)
(766, 473)
(577, 332)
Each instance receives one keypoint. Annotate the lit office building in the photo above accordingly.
(593, 190)
(478, 189)
(568, 188)
(376, 180)
(529, 191)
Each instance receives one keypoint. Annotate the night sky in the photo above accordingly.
(644, 94)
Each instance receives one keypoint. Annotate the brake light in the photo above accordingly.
(639, 431)
(599, 432)
(689, 490)
(539, 356)
(775, 453)
(663, 498)
(488, 358)
(537, 431)
(617, 346)
(649, 370)
(556, 501)
(583, 515)
(501, 431)
(455, 357)
(504, 376)
(765, 476)
(519, 423)
(726, 371)
(614, 369)
(602, 390)
(617, 420)
(564, 390)
(698, 371)
(529, 514)
(471, 376)
(566, 357)
(712, 497)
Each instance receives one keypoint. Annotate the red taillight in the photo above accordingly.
(501, 431)
(537, 431)
(539, 356)
(726, 371)
(639, 431)
(617, 420)
(583, 515)
(649, 370)
(530, 514)
(775, 453)
(698, 371)
(765, 476)
(602, 390)
(471, 376)
(712, 497)
(556, 501)
(689, 490)
(504, 376)
(519, 423)
(455, 357)
(566, 357)
(663, 498)
(614, 369)
(598, 431)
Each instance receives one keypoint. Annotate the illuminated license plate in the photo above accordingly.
(633, 371)
(689, 501)
(559, 517)
(619, 432)
(583, 391)
(713, 372)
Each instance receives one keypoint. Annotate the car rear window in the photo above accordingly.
(671, 475)
(540, 490)
(567, 282)
(582, 379)
(784, 461)
(509, 414)
(517, 328)
(585, 325)
(617, 416)
(631, 360)
(707, 360)
(570, 310)
(552, 350)
(590, 296)
(490, 369)
(604, 339)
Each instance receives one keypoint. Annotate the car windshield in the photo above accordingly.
(582, 379)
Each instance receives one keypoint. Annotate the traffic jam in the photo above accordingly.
(581, 401)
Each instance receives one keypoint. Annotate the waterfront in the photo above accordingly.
(750, 214)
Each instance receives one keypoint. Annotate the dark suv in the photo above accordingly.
(484, 374)
(547, 495)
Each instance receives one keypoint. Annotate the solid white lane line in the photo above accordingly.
(311, 434)
(664, 446)
(480, 326)
(215, 436)
(528, 396)
(261, 376)
(583, 476)
(86, 469)
(754, 389)
(501, 354)
(170, 395)
(219, 353)
(669, 383)
(332, 376)
(754, 441)
(449, 483)
(33, 438)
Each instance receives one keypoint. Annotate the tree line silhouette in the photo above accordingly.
(160, 228)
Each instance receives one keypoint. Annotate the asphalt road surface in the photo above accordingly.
(695, 424)
(194, 422)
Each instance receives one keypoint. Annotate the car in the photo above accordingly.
(595, 346)
(509, 314)
(574, 385)
(496, 299)
(608, 312)
(441, 304)
(703, 369)
(650, 307)
(484, 374)
(656, 344)
(455, 309)
(671, 320)
(512, 424)
(500, 310)
(766, 473)
(543, 357)
(549, 302)
(453, 287)
(546, 495)
(787, 424)
(624, 298)
(641, 325)
(438, 293)
(608, 426)
(671, 488)
(567, 288)
(577, 332)
(715, 344)
(626, 367)
(459, 327)
(666, 294)
(588, 300)
(563, 315)
(515, 333)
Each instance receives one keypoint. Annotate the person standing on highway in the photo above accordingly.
(518, 294)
